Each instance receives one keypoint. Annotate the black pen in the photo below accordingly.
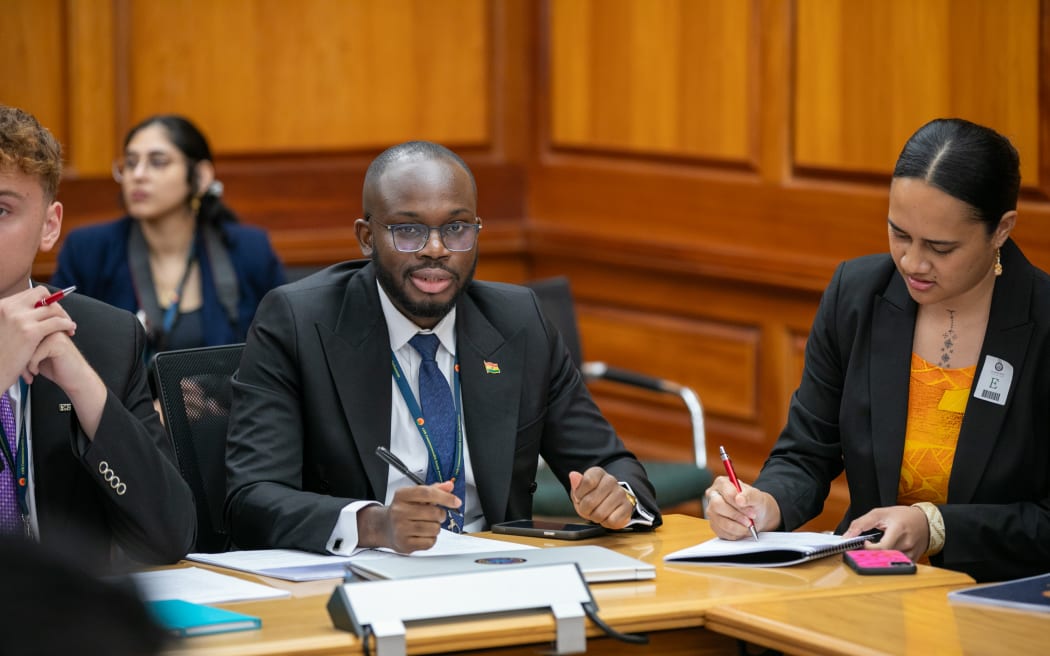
(398, 464)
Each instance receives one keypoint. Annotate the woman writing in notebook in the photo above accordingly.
(179, 259)
(927, 378)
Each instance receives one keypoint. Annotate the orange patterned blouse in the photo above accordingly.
(936, 403)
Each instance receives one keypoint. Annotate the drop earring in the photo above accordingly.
(998, 268)
(195, 205)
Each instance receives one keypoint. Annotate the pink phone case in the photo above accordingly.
(879, 561)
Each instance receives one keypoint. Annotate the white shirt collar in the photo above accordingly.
(402, 329)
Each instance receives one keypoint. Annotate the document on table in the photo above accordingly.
(200, 586)
(292, 565)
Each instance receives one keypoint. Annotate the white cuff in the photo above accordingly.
(343, 540)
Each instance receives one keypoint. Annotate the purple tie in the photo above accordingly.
(10, 515)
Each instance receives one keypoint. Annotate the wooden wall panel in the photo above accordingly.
(32, 47)
(870, 73)
(91, 99)
(719, 361)
(637, 76)
(314, 75)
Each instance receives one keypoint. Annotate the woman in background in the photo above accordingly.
(179, 259)
(927, 378)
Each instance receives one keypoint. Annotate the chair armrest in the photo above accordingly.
(602, 371)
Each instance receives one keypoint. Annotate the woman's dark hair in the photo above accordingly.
(191, 142)
(970, 162)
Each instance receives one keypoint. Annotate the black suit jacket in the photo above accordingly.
(311, 402)
(153, 520)
(850, 412)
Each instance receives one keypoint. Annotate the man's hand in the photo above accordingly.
(35, 341)
(728, 511)
(411, 522)
(598, 497)
(23, 327)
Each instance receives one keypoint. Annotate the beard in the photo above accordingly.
(423, 309)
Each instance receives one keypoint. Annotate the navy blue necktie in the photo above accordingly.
(439, 416)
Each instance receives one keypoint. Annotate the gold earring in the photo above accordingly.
(195, 205)
(998, 268)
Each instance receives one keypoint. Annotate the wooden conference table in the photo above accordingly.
(672, 608)
(920, 621)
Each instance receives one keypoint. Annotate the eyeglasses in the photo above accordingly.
(128, 165)
(457, 236)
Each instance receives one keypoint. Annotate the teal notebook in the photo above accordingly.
(186, 619)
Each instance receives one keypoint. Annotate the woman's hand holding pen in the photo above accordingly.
(729, 511)
(412, 520)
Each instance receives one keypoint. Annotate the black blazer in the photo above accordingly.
(850, 412)
(153, 520)
(311, 402)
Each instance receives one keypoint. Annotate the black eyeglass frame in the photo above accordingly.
(442, 231)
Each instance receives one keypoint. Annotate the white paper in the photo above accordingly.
(200, 586)
(292, 565)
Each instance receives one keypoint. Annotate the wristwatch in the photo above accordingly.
(630, 496)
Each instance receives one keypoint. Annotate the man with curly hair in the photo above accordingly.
(85, 462)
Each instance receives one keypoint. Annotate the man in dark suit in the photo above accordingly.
(331, 371)
(100, 478)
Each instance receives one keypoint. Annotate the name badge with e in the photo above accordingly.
(994, 384)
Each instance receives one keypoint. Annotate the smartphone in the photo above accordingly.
(879, 561)
(545, 529)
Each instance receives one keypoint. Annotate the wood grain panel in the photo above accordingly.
(92, 98)
(717, 361)
(627, 75)
(32, 47)
(269, 75)
(870, 73)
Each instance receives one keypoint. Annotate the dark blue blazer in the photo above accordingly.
(95, 259)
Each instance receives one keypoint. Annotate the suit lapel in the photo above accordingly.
(490, 401)
(1006, 338)
(357, 351)
(893, 328)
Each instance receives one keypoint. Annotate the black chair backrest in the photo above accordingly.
(193, 386)
(555, 298)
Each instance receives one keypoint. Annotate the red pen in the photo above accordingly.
(57, 296)
(732, 477)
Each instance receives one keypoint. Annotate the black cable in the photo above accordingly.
(631, 638)
(364, 640)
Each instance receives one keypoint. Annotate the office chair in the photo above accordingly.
(675, 482)
(193, 386)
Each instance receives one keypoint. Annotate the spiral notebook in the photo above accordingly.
(772, 549)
